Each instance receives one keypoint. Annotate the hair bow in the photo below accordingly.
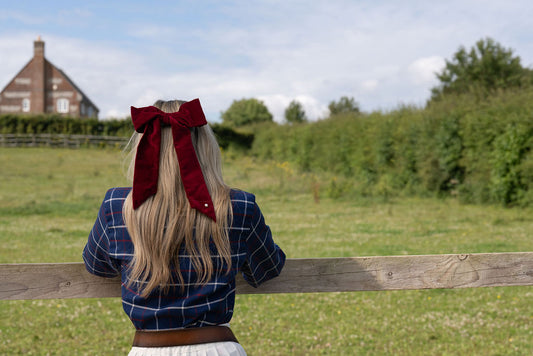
(148, 120)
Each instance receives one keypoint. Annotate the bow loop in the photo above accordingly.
(190, 114)
(147, 120)
(140, 117)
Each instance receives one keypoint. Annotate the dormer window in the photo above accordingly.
(62, 105)
(26, 105)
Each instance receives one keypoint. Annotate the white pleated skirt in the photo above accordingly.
(226, 348)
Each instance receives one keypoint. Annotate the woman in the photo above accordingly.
(179, 236)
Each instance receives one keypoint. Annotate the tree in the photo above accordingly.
(245, 112)
(295, 113)
(343, 106)
(486, 67)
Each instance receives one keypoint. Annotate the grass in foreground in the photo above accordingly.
(49, 199)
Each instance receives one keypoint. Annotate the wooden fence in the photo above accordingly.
(71, 280)
(60, 140)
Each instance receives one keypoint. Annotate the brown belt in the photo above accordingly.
(183, 337)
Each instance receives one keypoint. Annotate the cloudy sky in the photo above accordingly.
(382, 53)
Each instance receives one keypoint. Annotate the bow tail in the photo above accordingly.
(191, 173)
(147, 165)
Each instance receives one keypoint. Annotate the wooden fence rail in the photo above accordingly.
(59, 140)
(71, 280)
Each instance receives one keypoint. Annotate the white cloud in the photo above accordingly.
(314, 109)
(20, 49)
(113, 113)
(422, 71)
(153, 32)
(277, 104)
(369, 85)
(147, 97)
(23, 17)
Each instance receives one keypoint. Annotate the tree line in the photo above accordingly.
(247, 112)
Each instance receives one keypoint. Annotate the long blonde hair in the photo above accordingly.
(165, 222)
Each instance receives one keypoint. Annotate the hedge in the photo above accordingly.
(56, 124)
(478, 151)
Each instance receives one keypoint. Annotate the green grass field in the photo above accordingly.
(49, 199)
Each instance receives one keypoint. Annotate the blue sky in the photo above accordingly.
(382, 53)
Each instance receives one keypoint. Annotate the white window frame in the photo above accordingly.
(62, 105)
(26, 105)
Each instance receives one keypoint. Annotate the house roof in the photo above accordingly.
(74, 85)
(16, 75)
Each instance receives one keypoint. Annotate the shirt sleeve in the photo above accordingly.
(96, 251)
(264, 258)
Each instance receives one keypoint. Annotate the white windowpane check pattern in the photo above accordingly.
(109, 251)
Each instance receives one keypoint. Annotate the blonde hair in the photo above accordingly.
(165, 222)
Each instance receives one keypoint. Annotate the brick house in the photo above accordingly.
(41, 87)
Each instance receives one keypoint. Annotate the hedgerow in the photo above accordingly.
(477, 150)
(56, 124)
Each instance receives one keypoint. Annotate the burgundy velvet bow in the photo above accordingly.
(148, 120)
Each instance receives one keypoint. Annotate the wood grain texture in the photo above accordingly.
(71, 280)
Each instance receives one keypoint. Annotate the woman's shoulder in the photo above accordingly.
(240, 197)
(243, 203)
(117, 193)
(115, 197)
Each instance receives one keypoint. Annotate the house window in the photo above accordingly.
(26, 105)
(62, 105)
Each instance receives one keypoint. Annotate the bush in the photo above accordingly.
(228, 137)
(507, 181)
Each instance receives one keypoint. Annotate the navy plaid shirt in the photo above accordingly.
(109, 251)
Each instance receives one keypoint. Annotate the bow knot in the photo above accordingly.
(166, 119)
(147, 120)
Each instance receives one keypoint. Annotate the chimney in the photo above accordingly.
(38, 81)
(38, 47)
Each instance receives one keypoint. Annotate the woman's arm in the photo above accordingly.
(96, 251)
(264, 258)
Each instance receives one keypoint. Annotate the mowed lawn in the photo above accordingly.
(49, 199)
